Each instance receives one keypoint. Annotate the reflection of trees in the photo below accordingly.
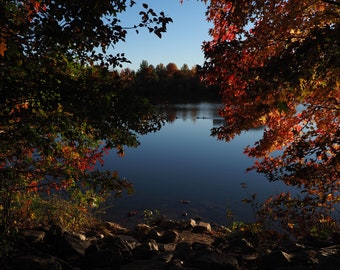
(190, 111)
(170, 114)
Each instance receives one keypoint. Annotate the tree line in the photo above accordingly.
(168, 83)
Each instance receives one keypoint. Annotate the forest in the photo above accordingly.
(169, 84)
(64, 103)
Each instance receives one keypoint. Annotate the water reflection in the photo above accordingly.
(193, 111)
(183, 162)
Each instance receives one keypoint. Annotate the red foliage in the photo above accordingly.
(277, 64)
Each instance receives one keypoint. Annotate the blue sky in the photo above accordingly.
(182, 42)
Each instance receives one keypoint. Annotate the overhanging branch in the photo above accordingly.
(332, 2)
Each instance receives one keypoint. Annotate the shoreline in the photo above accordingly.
(168, 244)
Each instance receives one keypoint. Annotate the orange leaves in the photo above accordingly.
(3, 46)
(217, 13)
(33, 7)
(277, 65)
(33, 186)
(83, 160)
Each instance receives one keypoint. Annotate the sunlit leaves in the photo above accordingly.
(277, 64)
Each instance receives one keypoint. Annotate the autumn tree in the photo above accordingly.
(61, 107)
(277, 65)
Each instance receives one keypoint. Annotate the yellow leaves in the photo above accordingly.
(297, 35)
(290, 225)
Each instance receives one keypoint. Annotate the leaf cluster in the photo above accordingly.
(61, 107)
(277, 64)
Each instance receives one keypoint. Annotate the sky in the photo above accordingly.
(181, 44)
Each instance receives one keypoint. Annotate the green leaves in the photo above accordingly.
(60, 102)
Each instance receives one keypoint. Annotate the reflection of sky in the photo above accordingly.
(182, 161)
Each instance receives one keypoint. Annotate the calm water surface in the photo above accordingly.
(183, 162)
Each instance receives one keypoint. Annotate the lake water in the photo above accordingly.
(183, 162)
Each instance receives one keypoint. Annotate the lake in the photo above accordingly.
(183, 162)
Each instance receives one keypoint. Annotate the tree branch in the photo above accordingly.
(332, 2)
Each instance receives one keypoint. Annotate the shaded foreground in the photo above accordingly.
(169, 244)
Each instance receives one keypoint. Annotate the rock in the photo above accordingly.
(154, 234)
(277, 258)
(184, 201)
(329, 263)
(187, 224)
(62, 244)
(145, 265)
(167, 248)
(94, 234)
(169, 224)
(128, 241)
(215, 261)
(40, 262)
(147, 250)
(97, 257)
(176, 264)
(132, 213)
(56, 230)
(75, 245)
(34, 236)
(241, 245)
(113, 227)
(157, 220)
(79, 236)
(335, 237)
(110, 251)
(183, 251)
(201, 248)
(202, 227)
(178, 245)
(221, 244)
(143, 228)
(329, 258)
(169, 236)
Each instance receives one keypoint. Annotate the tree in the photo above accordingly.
(277, 65)
(61, 107)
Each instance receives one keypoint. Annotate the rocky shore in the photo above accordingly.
(170, 245)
